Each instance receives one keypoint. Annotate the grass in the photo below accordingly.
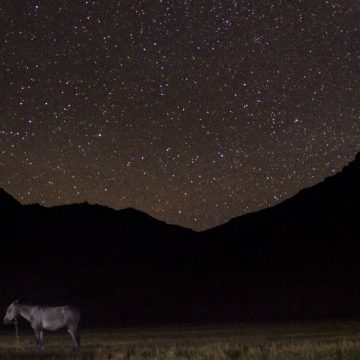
(310, 341)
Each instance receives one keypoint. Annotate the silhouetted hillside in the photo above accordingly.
(299, 259)
(302, 254)
(332, 202)
(85, 253)
(7, 202)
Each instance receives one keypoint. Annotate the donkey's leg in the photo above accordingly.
(78, 337)
(75, 335)
(39, 338)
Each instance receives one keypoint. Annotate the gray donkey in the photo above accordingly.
(46, 318)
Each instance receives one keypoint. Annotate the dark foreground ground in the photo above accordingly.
(320, 340)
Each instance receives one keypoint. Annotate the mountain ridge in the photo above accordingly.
(7, 200)
(342, 177)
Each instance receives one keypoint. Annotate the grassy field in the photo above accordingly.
(322, 340)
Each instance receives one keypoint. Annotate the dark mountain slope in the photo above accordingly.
(334, 201)
(302, 256)
(89, 254)
(7, 202)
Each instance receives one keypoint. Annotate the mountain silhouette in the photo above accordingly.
(7, 202)
(298, 259)
(331, 202)
(301, 255)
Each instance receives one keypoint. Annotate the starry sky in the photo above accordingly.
(193, 111)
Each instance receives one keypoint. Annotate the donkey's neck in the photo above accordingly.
(25, 311)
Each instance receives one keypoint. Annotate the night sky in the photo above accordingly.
(193, 111)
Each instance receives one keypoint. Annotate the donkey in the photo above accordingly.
(46, 318)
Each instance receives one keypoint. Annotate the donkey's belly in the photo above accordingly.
(53, 325)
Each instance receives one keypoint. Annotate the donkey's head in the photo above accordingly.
(11, 313)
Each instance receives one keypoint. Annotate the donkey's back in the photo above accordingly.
(53, 318)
